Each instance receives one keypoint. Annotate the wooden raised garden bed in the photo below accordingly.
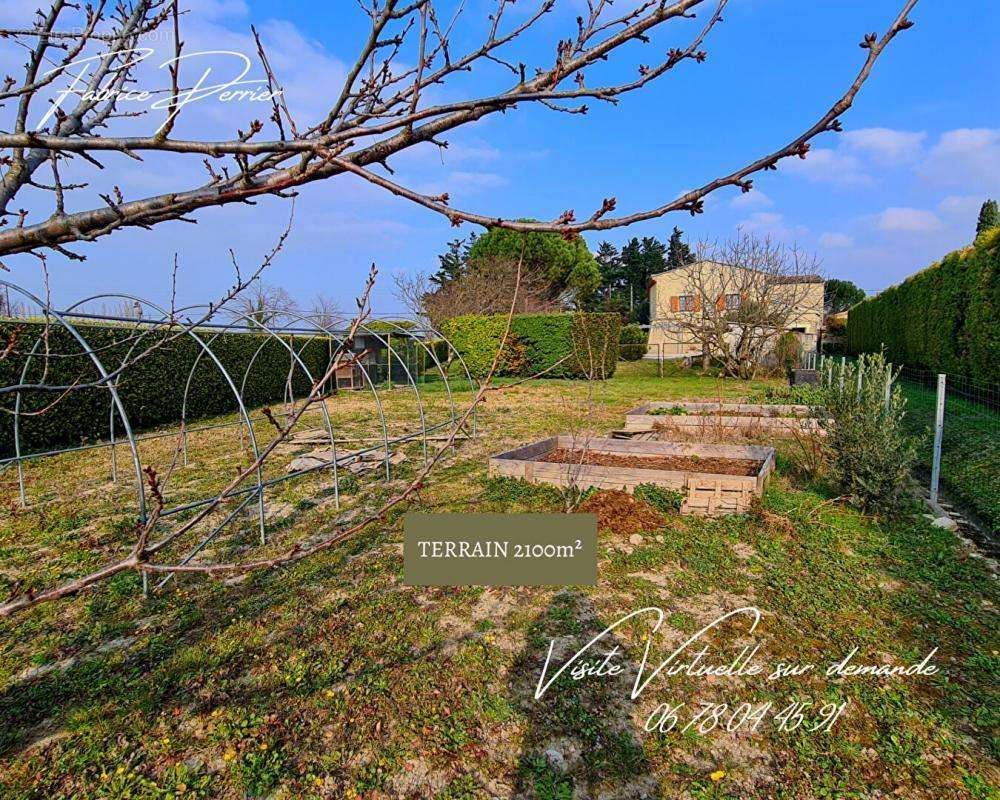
(716, 479)
(742, 419)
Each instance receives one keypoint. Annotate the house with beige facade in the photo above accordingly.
(708, 292)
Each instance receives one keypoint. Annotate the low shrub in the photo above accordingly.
(787, 352)
(477, 339)
(872, 455)
(633, 343)
(673, 411)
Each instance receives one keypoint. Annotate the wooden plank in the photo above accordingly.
(706, 493)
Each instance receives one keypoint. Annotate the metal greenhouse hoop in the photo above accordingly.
(116, 400)
(197, 324)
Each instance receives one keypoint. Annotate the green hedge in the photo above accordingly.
(537, 342)
(151, 390)
(945, 318)
(634, 343)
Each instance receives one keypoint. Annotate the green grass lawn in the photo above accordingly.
(331, 679)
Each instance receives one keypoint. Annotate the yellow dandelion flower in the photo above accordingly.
(718, 775)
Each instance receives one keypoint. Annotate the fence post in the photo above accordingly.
(888, 389)
(843, 372)
(938, 432)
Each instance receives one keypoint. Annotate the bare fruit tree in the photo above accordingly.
(741, 296)
(263, 303)
(389, 102)
(487, 288)
(410, 289)
(327, 312)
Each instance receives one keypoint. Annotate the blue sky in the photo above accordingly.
(897, 190)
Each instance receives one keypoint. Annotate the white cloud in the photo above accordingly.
(966, 157)
(964, 206)
(751, 200)
(476, 180)
(324, 224)
(474, 151)
(216, 9)
(426, 154)
(884, 145)
(761, 220)
(835, 240)
(908, 219)
(829, 166)
(463, 183)
(769, 223)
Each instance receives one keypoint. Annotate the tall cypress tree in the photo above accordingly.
(678, 251)
(989, 216)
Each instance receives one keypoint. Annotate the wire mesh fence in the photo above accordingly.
(968, 438)
(969, 465)
(958, 418)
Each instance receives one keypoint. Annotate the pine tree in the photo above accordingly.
(467, 248)
(452, 263)
(840, 295)
(640, 261)
(607, 297)
(609, 261)
(654, 254)
(631, 272)
(678, 251)
(989, 216)
(654, 261)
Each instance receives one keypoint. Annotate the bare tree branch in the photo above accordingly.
(141, 555)
(377, 113)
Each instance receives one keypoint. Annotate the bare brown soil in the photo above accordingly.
(724, 414)
(727, 414)
(620, 513)
(666, 412)
(718, 466)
